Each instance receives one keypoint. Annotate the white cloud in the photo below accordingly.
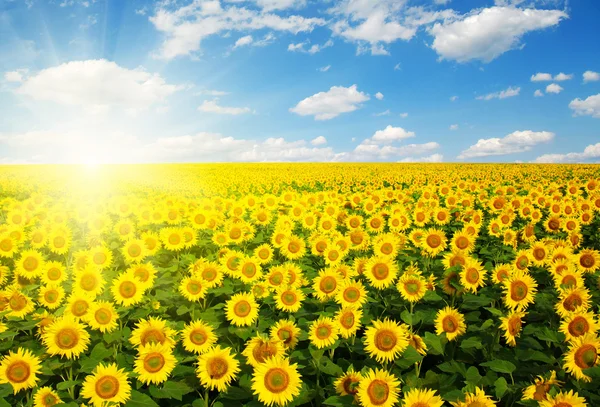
(384, 113)
(397, 67)
(211, 92)
(330, 104)
(590, 153)
(318, 141)
(441, 2)
(591, 76)
(487, 33)
(404, 115)
(15, 76)
(85, 83)
(269, 5)
(563, 77)
(313, 49)
(212, 106)
(389, 135)
(379, 96)
(325, 68)
(554, 88)
(91, 20)
(454, 127)
(374, 152)
(538, 93)
(187, 26)
(453, 98)
(507, 93)
(243, 41)
(586, 107)
(541, 77)
(433, 158)
(516, 142)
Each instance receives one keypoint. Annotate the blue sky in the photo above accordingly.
(84, 81)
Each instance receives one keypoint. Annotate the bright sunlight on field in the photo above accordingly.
(300, 284)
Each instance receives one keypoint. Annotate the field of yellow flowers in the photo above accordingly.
(236, 285)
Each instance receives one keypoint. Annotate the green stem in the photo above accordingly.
(206, 398)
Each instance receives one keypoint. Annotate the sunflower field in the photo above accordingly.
(230, 285)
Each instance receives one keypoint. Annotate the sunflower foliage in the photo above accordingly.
(375, 285)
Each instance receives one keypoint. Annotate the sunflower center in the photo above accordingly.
(18, 372)
(209, 274)
(381, 271)
(199, 219)
(385, 340)
(30, 264)
(378, 392)
(194, 287)
(462, 242)
(351, 294)
(472, 275)
(79, 308)
(563, 404)
(54, 274)
(154, 362)
(578, 326)
(6, 245)
(198, 337)
(572, 302)
(99, 258)
(433, 241)
(174, 239)
(420, 217)
(412, 287)
(375, 223)
(518, 291)
(103, 316)
(249, 270)
(539, 254)
(276, 278)
(356, 238)
(347, 320)
(152, 336)
(88, 282)
(587, 260)
(387, 248)
(17, 302)
(242, 308)
(217, 368)
(323, 332)
(569, 281)
(514, 326)
(263, 254)
(107, 387)
(51, 296)
(134, 250)
(264, 351)
(276, 380)
(67, 338)
(449, 324)
(288, 298)
(141, 274)
(328, 285)
(127, 289)
(477, 404)
(49, 400)
(585, 356)
(554, 224)
(349, 385)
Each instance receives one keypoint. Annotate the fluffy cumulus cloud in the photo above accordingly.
(433, 158)
(318, 141)
(546, 77)
(212, 106)
(586, 107)
(538, 93)
(516, 142)
(563, 77)
(554, 88)
(590, 154)
(309, 49)
(454, 127)
(379, 96)
(487, 33)
(15, 76)
(184, 28)
(591, 76)
(389, 135)
(507, 93)
(330, 104)
(243, 41)
(84, 83)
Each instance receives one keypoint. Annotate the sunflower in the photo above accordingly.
(261, 347)
(569, 278)
(588, 261)
(293, 248)
(412, 287)
(54, 272)
(326, 284)
(210, 272)
(289, 299)
(572, 300)
(101, 256)
(417, 343)
(385, 340)
(287, 332)
(78, 305)
(277, 277)
(348, 321)
(144, 272)
(20, 369)
(107, 385)
(151, 242)
(520, 289)
(578, 324)
(217, 368)
(30, 265)
(433, 242)
(8, 246)
(378, 388)
(154, 363)
(501, 272)
(264, 253)
(347, 385)
(463, 241)
(46, 397)
(582, 354)
(89, 281)
(134, 250)
(276, 381)
(198, 337)
(455, 258)
(564, 399)
(193, 288)
(51, 295)
(102, 316)
(172, 238)
(242, 309)
(450, 321)
(381, 272)
(152, 330)
(421, 398)
(511, 324)
(59, 240)
(472, 275)
(539, 389)
(66, 337)
(323, 332)
(127, 290)
(18, 304)
(351, 294)
(476, 399)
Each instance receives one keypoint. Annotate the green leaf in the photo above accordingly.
(473, 376)
(339, 401)
(472, 342)
(434, 343)
(500, 366)
(330, 368)
(236, 393)
(183, 309)
(140, 400)
(171, 390)
(100, 352)
(409, 358)
(67, 384)
(501, 387)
